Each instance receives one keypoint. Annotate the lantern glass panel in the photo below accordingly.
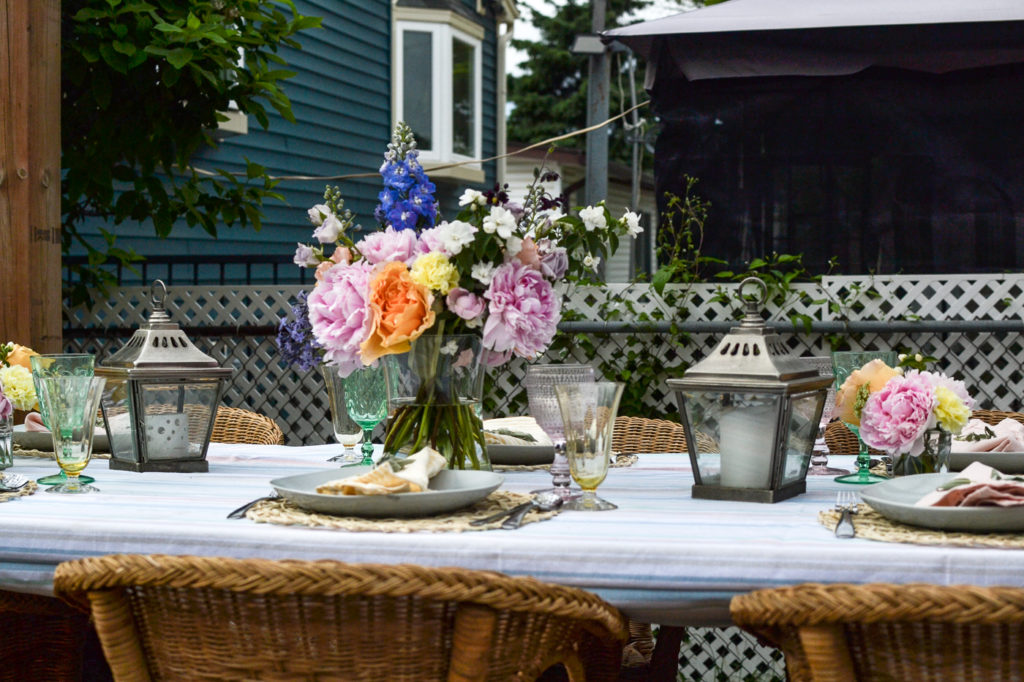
(117, 416)
(802, 432)
(743, 425)
(178, 417)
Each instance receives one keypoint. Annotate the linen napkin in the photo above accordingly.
(979, 486)
(384, 479)
(509, 431)
(1008, 437)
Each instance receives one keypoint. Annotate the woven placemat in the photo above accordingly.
(621, 462)
(871, 525)
(26, 490)
(284, 513)
(48, 454)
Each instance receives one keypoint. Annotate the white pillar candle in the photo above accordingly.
(746, 436)
(167, 436)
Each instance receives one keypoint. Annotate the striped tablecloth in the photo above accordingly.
(662, 557)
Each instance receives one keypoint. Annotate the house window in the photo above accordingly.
(438, 91)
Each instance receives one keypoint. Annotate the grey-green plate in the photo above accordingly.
(1005, 462)
(43, 440)
(895, 498)
(449, 490)
(521, 454)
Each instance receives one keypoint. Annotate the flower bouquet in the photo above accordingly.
(437, 300)
(911, 414)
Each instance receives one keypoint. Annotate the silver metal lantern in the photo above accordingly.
(751, 412)
(161, 397)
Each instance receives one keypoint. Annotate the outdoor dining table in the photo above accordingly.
(661, 557)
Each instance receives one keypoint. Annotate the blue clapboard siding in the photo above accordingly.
(341, 99)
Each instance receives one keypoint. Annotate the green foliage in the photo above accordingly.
(143, 84)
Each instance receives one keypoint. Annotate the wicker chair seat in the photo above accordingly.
(235, 425)
(200, 618)
(843, 632)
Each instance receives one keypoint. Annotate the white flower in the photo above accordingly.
(553, 216)
(455, 235)
(318, 213)
(632, 221)
(449, 348)
(513, 245)
(591, 261)
(475, 322)
(593, 217)
(500, 220)
(483, 273)
(304, 256)
(471, 196)
(329, 230)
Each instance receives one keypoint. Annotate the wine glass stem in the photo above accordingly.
(863, 460)
(367, 447)
(560, 467)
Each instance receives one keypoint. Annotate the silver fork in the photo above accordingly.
(846, 505)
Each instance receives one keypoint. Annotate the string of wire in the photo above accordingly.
(535, 145)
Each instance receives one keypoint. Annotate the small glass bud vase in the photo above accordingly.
(933, 459)
(6, 442)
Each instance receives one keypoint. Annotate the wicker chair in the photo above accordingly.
(41, 638)
(197, 618)
(843, 632)
(235, 425)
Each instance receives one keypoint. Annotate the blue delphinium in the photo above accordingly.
(407, 200)
(295, 338)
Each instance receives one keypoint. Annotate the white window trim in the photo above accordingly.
(445, 26)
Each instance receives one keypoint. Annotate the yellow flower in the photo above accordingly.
(17, 384)
(432, 270)
(950, 410)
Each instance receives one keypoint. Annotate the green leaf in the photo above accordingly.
(179, 57)
(124, 48)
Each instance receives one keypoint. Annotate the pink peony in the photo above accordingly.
(340, 316)
(895, 417)
(937, 379)
(465, 304)
(523, 311)
(390, 245)
(6, 408)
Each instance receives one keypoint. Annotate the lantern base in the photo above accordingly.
(718, 492)
(183, 466)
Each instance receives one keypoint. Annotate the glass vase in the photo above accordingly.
(6, 442)
(434, 394)
(933, 459)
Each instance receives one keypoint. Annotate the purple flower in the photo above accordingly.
(339, 314)
(396, 174)
(554, 261)
(895, 417)
(6, 408)
(465, 303)
(295, 339)
(304, 257)
(523, 311)
(390, 245)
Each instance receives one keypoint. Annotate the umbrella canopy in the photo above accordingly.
(744, 38)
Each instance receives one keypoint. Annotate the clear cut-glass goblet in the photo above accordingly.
(588, 412)
(540, 394)
(346, 431)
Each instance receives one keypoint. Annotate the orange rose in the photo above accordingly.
(400, 312)
(20, 356)
(875, 375)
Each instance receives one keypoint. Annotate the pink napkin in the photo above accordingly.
(1009, 437)
(982, 486)
(34, 422)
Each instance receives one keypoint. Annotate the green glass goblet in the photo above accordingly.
(72, 402)
(366, 397)
(57, 365)
(845, 363)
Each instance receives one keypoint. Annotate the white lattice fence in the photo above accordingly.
(989, 362)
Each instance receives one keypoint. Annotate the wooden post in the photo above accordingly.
(30, 252)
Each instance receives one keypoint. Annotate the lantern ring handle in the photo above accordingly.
(762, 299)
(158, 294)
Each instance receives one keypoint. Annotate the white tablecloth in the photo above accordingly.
(661, 557)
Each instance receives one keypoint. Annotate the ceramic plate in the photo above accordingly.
(895, 498)
(521, 454)
(449, 490)
(1005, 462)
(42, 440)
